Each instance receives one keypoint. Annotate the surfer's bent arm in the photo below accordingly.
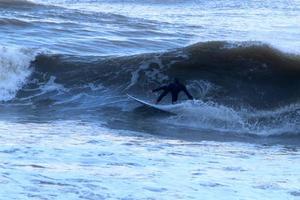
(187, 93)
(160, 88)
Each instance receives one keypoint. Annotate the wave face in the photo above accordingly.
(229, 73)
(241, 87)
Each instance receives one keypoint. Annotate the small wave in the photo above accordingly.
(16, 2)
(12, 22)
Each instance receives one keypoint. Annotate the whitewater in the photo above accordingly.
(69, 131)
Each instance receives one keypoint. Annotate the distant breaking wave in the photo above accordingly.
(14, 22)
(16, 2)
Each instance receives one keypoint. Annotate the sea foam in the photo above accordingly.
(14, 70)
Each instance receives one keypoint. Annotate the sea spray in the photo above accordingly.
(14, 70)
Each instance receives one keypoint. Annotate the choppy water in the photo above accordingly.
(79, 160)
(68, 130)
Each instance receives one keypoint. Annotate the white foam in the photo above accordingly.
(208, 115)
(85, 160)
(14, 70)
(201, 88)
(152, 74)
(199, 114)
(52, 86)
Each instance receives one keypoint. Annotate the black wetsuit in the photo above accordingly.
(175, 88)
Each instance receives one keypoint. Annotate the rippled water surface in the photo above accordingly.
(76, 160)
(122, 27)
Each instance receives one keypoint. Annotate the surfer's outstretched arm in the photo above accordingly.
(187, 93)
(162, 96)
(160, 88)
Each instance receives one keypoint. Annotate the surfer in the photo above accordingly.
(174, 88)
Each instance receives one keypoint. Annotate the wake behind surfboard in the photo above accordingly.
(163, 108)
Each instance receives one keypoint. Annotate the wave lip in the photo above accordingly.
(14, 70)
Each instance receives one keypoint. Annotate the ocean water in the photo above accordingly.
(69, 131)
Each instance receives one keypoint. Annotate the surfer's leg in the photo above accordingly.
(174, 97)
(161, 96)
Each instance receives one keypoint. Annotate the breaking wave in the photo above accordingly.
(232, 74)
(14, 70)
(240, 87)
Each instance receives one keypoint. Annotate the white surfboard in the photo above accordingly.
(163, 108)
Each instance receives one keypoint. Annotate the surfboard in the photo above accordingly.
(150, 105)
